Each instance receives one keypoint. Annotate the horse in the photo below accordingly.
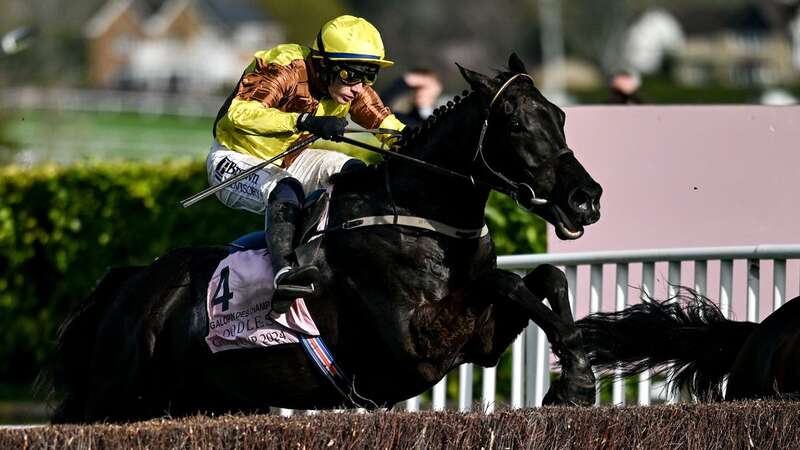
(399, 306)
(689, 339)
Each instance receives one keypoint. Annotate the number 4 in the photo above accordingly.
(226, 295)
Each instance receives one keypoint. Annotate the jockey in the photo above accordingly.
(286, 93)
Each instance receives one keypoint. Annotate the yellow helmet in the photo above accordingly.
(349, 38)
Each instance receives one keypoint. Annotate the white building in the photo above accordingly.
(650, 39)
(176, 45)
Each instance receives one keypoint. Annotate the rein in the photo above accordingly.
(425, 164)
(511, 188)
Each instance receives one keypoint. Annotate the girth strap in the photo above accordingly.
(416, 222)
(322, 358)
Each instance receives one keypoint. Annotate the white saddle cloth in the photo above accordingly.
(239, 306)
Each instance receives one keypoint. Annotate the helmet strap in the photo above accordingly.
(321, 45)
(322, 70)
(323, 63)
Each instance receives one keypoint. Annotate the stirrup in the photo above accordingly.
(293, 283)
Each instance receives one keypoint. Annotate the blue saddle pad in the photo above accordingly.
(250, 241)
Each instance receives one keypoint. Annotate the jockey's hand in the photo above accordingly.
(408, 132)
(405, 135)
(326, 127)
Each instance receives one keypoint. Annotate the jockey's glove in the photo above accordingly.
(326, 127)
(404, 137)
(408, 132)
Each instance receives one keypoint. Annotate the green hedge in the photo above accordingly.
(61, 227)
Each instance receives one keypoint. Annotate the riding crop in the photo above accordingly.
(213, 189)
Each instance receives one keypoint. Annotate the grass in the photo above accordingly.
(77, 136)
(67, 137)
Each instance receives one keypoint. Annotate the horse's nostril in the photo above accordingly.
(585, 205)
(580, 201)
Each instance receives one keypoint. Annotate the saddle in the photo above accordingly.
(240, 290)
(251, 323)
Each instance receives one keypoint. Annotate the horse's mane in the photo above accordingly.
(408, 143)
(419, 133)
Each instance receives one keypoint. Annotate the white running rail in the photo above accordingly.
(530, 354)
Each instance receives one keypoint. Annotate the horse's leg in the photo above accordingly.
(514, 304)
(577, 378)
(546, 281)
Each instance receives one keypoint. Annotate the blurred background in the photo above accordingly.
(93, 72)
(106, 109)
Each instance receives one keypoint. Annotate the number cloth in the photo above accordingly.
(239, 306)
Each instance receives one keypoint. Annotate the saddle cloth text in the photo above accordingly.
(239, 306)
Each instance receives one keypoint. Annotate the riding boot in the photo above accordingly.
(290, 282)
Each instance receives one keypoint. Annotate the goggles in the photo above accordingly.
(351, 75)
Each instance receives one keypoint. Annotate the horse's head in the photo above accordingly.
(525, 152)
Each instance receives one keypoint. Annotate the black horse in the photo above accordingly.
(689, 338)
(400, 306)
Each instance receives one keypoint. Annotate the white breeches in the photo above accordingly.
(313, 168)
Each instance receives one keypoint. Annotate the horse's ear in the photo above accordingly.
(516, 65)
(478, 82)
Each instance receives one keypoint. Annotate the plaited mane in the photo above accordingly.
(421, 132)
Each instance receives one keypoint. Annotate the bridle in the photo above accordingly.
(514, 190)
(522, 193)
(511, 188)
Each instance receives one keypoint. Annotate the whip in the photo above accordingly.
(213, 189)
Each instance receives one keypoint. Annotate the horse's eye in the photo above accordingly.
(515, 125)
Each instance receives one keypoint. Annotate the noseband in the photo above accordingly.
(515, 190)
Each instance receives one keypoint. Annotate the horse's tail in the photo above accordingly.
(75, 344)
(687, 334)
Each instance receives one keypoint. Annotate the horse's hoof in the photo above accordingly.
(566, 393)
(582, 386)
(557, 394)
(582, 395)
(552, 398)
